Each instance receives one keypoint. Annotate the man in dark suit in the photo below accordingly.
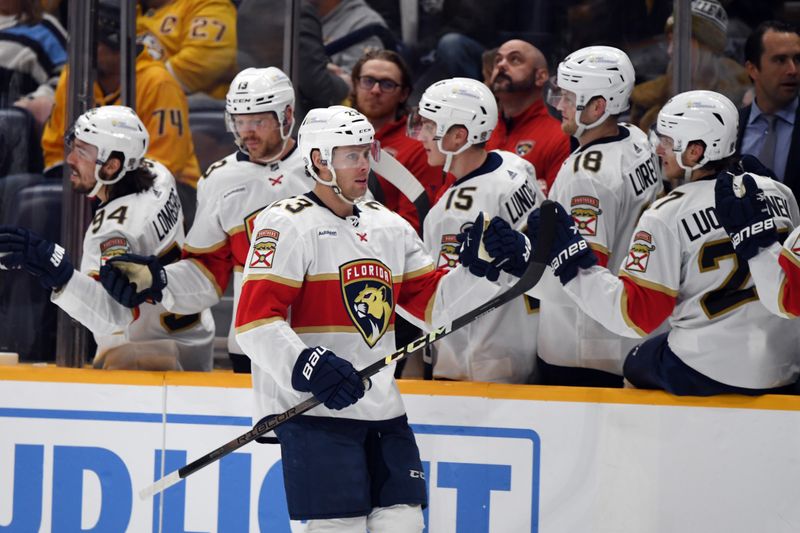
(767, 126)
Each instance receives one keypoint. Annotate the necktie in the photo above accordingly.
(767, 154)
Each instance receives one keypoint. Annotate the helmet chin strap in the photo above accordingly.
(581, 127)
(99, 182)
(334, 185)
(687, 170)
(448, 155)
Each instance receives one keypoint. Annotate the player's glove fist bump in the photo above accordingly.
(134, 279)
(48, 261)
(509, 248)
(570, 252)
(332, 380)
(471, 254)
(745, 217)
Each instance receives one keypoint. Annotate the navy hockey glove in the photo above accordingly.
(470, 254)
(134, 279)
(332, 380)
(570, 251)
(746, 220)
(750, 164)
(510, 248)
(48, 261)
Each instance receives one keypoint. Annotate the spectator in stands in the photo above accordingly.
(159, 100)
(381, 86)
(196, 39)
(321, 83)
(710, 69)
(767, 126)
(519, 75)
(32, 54)
(341, 18)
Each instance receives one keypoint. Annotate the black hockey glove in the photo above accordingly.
(570, 251)
(48, 261)
(331, 379)
(469, 253)
(746, 220)
(134, 279)
(510, 249)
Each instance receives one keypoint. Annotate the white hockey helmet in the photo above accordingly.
(700, 116)
(112, 128)
(260, 90)
(326, 128)
(597, 71)
(460, 102)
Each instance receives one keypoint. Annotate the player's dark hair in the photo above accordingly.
(134, 181)
(754, 45)
(392, 57)
(30, 11)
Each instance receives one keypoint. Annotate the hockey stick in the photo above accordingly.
(395, 173)
(530, 278)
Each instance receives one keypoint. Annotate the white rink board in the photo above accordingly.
(73, 457)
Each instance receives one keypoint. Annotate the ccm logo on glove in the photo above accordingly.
(58, 255)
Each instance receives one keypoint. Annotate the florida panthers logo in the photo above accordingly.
(448, 255)
(264, 247)
(368, 295)
(585, 211)
(639, 254)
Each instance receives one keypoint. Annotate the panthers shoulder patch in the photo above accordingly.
(264, 247)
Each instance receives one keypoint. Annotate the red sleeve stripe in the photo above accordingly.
(276, 279)
(191, 250)
(645, 305)
(216, 265)
(236, 229)
(789, 297)
(416, 273)
(418, 294)
(261, 300)
(601, 252)
(207, 273)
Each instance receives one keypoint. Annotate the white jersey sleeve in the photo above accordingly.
(776, 271)
(681, 266)
(146, 223)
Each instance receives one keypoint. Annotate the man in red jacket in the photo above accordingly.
(381, 85)
(525, 128)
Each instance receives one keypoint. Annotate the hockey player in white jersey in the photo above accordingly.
(139, 213)
(324, 276)
(605, 185)
(746, 213)
(681, 267)
(259, 110)
(455, 119)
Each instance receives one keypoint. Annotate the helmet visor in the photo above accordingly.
(420, 128)
(355, 156)
(555, 96)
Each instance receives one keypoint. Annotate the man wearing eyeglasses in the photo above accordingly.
(259, 111)
(381, 86)
(525, 128)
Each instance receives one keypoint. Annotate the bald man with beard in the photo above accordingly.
(525, 128)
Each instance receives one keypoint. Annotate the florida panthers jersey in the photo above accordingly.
(313, 278)
(502, 345)
(146, 223)
(681, 264)
(776, 271)
(605, 185)
(230, 195)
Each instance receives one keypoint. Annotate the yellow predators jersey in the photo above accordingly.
(197, 41)
(160, 103)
